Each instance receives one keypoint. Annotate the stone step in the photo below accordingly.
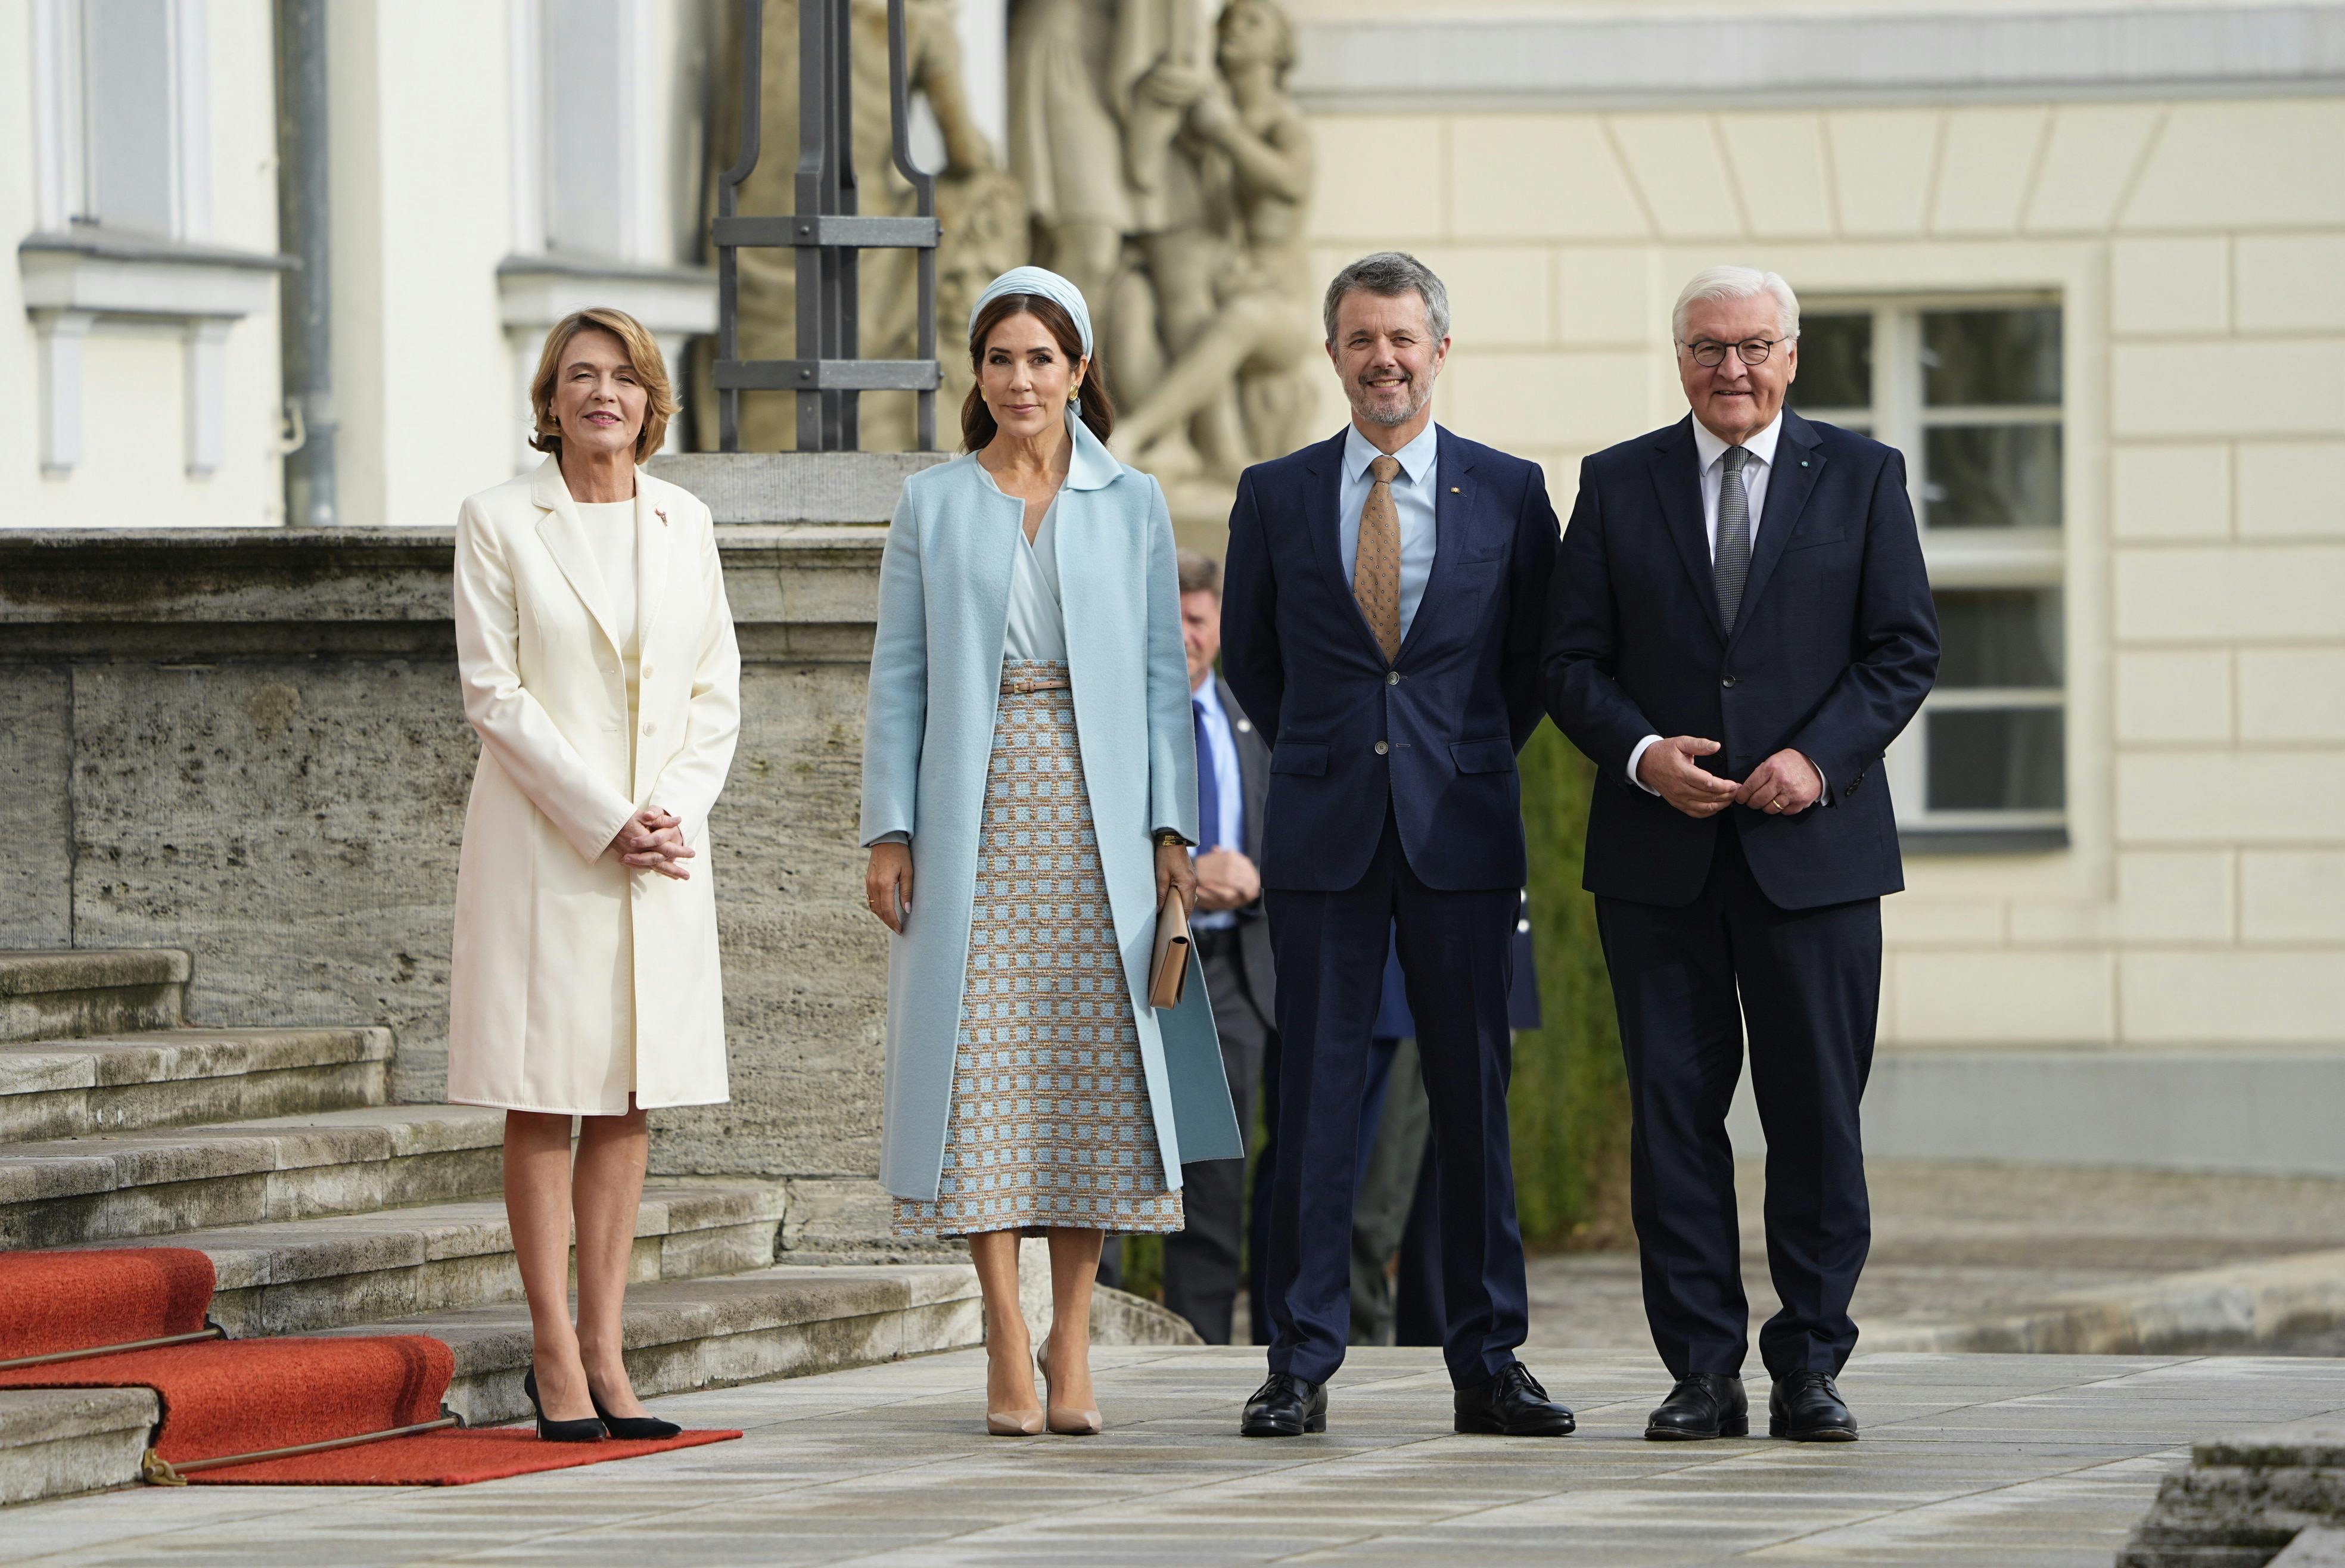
(55, 1442)
(171, 1077)
(299, 1276)
(65, 993)
(163, 1182)
(783, 1321)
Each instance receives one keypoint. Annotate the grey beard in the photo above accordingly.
(1417, 400)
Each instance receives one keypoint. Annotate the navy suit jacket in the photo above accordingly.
(1834, 647)
(1436, 734)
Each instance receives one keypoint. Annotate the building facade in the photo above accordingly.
(2084, 265)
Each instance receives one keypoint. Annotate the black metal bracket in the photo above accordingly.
(827, 233)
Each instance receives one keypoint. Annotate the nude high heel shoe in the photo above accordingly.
(1066, 1422)
(1014, 1424)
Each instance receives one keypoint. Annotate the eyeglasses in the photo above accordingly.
(1750, 350)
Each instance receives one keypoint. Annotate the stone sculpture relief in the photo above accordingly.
(1154, 157)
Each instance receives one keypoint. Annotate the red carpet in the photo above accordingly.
(223, 1397)
(439, 1458)
(52, 1301)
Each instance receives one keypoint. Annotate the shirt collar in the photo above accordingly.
(1207, 695)
(1415, 459)
(1762, 446)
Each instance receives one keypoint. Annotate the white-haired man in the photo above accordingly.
(1738, 627)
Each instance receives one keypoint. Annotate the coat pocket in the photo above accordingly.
(1308, 757)
(1491, 756)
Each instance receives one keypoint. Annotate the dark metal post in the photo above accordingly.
(827, 232)
(924, 188)
(305, 297)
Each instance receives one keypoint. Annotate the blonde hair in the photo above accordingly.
(642, 357)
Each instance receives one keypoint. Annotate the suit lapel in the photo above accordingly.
(1453, 507)
(1325, 471)
(1676, 467)
(565, 540)
(1797, 465)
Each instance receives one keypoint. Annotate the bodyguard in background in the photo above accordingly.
(1232, 938)
(1740, 625)
(1382, 626)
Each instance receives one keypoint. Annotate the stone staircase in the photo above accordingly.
(326, 1210)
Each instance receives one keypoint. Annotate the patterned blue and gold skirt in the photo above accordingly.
(1050, 1126)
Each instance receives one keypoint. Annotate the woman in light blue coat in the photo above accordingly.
(1029, 763)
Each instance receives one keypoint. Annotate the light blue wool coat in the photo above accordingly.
(935, 678)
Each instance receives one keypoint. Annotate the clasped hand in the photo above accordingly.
(1786, 784)
(653, 840)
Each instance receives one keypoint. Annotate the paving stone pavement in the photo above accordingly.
(2004, 1462)
(1965, 1242)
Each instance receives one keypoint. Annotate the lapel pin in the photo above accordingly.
(660, 513)
(1804, 462)
(1455, 490)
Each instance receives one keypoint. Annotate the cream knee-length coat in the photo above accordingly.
(545, 916)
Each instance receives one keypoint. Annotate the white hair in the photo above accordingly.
(1737, 283)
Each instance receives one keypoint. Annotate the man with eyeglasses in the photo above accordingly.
(1739, 625)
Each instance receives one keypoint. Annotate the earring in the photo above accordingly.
(1074, 394)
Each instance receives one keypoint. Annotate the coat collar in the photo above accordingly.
(1093, 467)
(564, 533)
(1791, 478)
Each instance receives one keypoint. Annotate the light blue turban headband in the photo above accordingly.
(1038, 280)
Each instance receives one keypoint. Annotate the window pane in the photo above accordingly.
(1835, 363)
(1995, 760)
(1999, 637)
(1992, 476)
(1973, 357)
(584, 211)
(126, 65)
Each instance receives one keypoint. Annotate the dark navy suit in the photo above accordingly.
(1744, 919)
(1394, 806)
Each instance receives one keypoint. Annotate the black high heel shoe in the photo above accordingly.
(635, 1427)
(586, 1431)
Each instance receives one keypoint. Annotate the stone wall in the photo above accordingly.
(248, 744)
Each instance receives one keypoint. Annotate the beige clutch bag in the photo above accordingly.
(1168, 972)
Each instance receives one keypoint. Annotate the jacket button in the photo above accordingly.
(649, 726)
(1727, 681)
(1382, 748)
(1392, 677)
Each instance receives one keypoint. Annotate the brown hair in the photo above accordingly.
(1200, 573)
(976, 425)
(642, 357)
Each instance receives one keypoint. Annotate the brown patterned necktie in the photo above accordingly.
(1375, 574)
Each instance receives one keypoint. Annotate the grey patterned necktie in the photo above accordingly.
(1731, 566)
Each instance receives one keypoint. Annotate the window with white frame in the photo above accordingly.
(1970, 390)
(120, 116)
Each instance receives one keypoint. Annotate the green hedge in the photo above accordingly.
(1570, 1101)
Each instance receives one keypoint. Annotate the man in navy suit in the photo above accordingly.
(1740, 623)
(1380, 622)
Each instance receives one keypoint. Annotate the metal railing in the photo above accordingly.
(827, 233)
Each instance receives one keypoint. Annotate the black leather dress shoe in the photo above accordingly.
(1285, 1406)
(1512, 1404)
(1806, 1407)
(1704, 1404)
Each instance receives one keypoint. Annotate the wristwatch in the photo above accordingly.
(1168, 839)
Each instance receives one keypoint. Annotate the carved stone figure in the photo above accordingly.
(1065, 147)
(1242, 374)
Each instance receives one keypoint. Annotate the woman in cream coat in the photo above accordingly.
(598, 666)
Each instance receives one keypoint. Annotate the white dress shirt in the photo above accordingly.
(1411, 491)
(1711, 451)
(1220, 754)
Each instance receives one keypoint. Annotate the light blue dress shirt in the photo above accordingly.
(1411, 491)
(1229, 832)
